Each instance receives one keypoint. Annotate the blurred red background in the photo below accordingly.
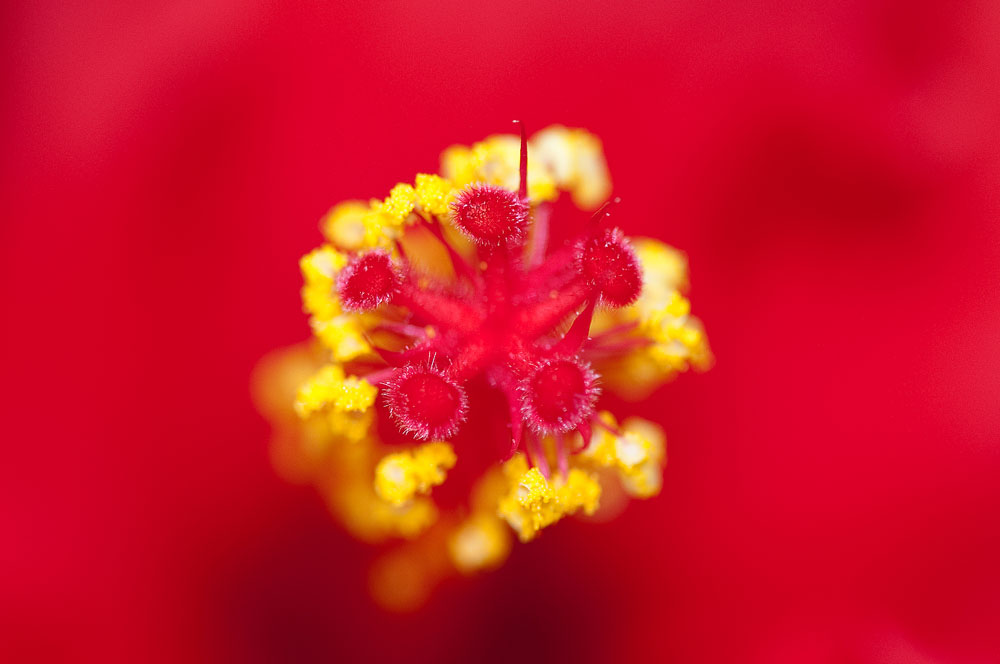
(832, 171)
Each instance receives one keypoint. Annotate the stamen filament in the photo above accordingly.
(540, 235)
(541, 317)
(522, 188)
(380, 376)
(562, 457)
(604, 211)
(459, 263)
(605, 347)
(404, 329)
(537, 455)
(578, 333)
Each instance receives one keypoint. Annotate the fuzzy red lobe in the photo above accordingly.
(425, 402)
(608, 261)
(490, 216)
(367, 281)
(559, 395)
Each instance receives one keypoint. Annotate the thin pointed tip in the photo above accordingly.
(522, 188)
(604, 210)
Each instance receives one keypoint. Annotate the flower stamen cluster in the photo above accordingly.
(449, 293)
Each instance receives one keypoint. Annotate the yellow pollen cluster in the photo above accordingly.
(400, 476)
(319, 272)
(330, 388)
(636, 452)
(399, 203)
(434, 194)
(344, 225)
(373, 519)
(534, 503)
(481, 542)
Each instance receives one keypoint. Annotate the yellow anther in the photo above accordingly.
(631, 450)
(319, 272)
(533, 503)
(399, 204)
(400, 476)
(344, 225)
(575, 160)
(322, 264)
(369, 517)
(434, 193)
(330, 388)
(645, 478)
(480, 543)
(602, 451)
(677, 306)
(580, 491)
(320, 300)
(351, 426)
(533, 491)
(664, 268)
(343, 335)
(355, 395)
(637, 451)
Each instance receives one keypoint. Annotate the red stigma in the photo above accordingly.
(425, 402)
(490, 216)
(610, 264)
(559, 395)
(367, 281)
